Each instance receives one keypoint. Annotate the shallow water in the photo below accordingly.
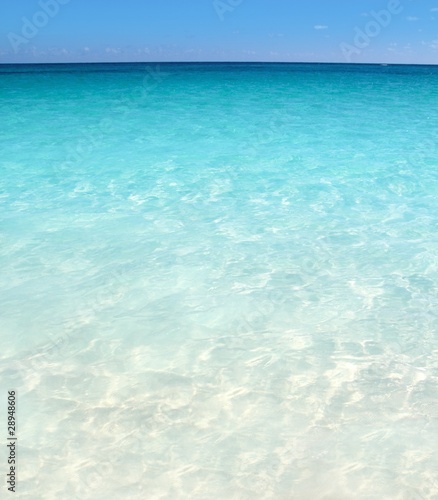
(220, 281)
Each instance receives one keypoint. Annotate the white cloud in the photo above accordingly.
(113, 50)
(320, 27)
(143, 50)
(413, 18)
(431, 44)
(58, 51)
(435, 9)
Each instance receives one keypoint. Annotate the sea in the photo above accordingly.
(219, 281)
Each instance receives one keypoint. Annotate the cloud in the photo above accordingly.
(434, 9)
(113, 50)
(143, 50)
(59, 51)
(412, 18)
(431, 44)
(320, 27)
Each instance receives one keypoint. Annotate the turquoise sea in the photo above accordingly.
(219, 281)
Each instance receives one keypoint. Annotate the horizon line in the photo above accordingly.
(346, 63)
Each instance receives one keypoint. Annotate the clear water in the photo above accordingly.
(220, 281)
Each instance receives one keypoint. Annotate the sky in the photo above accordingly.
(357, 31)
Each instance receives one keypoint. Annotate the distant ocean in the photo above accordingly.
(219, 281)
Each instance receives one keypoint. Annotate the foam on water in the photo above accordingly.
(219, 281)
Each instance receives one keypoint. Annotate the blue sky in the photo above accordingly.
(219, 30)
